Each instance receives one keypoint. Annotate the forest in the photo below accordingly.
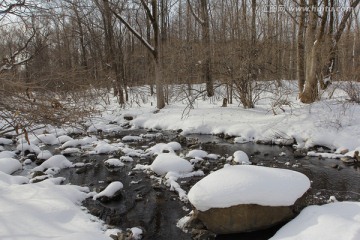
(66, 47)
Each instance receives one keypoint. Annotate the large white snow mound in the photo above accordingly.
(246, 184)
(168, 162)
(9, 165)
(46, 211)
(333, 221)
(57, 161)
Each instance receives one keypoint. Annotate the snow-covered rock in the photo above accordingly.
(110, 192)
(126, 159)
(57, 161)
(245, 198)
(7, 154)
(44, 155)
(5, 141)
(333, 221)
(166, 162)
(103, 147)
(64, 138)
(71, 151)
(197, 154)
(9, 165)
(132, 139)
(241, 157)
(9, 179)
(23, 147)
(114, 162)
(246, 184)
(46, 211)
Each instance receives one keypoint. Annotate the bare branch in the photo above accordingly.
(201, 21)
(136, 33)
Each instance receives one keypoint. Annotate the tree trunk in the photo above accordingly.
(301, 50)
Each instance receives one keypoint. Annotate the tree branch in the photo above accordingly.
(136, 33)
(201, 21)
(148, 12)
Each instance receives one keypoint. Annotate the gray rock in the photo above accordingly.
(244, 218)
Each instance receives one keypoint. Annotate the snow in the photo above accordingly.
(333, 221)
(197, 154)
(241, 157)
(246, 184)
(28, 147)
(136, 233)
(110, 190)
(49, 139)
(126, 159)
(132, 139)
(103, 147)
(45, 154)
(46, 211)
(166, 162)
(5, 141)
(9, 165)
(57, 161)
(161, 147)
(79, 142)
(333, 123)
(9, 179)
(70, 151)
(7, 154)
(113, 162)
(64, 138)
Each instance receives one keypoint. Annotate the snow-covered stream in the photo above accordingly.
(148, 203)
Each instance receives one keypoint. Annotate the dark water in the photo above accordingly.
(156, 209)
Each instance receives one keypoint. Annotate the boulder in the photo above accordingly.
(243, 218)
(245, 198)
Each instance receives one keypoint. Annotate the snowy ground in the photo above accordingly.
(53, 211)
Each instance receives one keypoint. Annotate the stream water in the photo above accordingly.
(150, 205)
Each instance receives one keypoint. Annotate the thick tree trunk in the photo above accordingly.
(207, 45)
(160, 99)
(310, 92)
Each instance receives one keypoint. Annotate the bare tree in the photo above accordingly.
(204, 21)
(152, 13)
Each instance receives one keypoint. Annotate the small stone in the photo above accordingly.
(128, 117)
(334, 165)
(344, 151)
(347, 160)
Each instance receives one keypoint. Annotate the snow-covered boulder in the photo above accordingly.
(58, 162)
(28, 148)
(245, 198)
(9, 165)
(168, 162)
(241, 157)
(44, 155)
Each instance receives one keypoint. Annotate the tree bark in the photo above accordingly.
(300, 50)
